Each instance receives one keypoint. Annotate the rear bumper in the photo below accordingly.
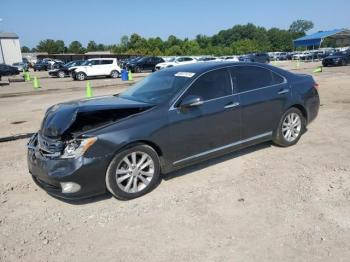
(312, 106)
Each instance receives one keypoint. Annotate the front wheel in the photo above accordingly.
(133, 172)
(80, 76)
(61, 74)
(290, 128)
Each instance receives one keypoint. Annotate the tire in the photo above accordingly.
(34, 70)
(137, 70)
(80, 76)
(343, 63)
(125, 188)
(289, 122)
(61, 74)
(114, 74)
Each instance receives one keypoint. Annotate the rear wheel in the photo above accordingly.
(133, 172)
(290, 128)
(343, 63)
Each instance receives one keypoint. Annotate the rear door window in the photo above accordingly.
(211, 85)
(107, 62)
(247, 78)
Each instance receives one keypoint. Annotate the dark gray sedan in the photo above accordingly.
(172, 118)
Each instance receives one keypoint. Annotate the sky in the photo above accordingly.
(106, 21)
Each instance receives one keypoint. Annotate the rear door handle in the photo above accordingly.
(283, 91)
(231, 105)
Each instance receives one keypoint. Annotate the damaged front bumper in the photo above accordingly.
(72, 178)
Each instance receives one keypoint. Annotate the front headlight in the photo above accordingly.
(77, 148)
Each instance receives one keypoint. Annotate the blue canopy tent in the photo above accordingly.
(342, 36)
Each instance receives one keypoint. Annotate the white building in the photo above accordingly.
(10, 49)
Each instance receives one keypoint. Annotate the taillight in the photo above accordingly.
(316, 85)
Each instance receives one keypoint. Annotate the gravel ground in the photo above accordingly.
(263, 203)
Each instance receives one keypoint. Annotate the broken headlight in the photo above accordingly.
(78, 147)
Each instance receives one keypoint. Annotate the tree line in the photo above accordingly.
(239, 39)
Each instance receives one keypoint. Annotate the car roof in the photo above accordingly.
(200, 68)
(102, 58)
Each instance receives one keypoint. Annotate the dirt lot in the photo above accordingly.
(264, 203)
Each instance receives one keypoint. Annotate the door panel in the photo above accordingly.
(203, 128)
(263, 96)
(213, 124)
(262, 109)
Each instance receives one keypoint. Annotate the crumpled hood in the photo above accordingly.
(82, 115)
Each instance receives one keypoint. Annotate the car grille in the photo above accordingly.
(49, 147)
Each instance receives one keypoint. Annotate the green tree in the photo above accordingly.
(203, 41)
(173, 50)
(301, 26)
(25, 49)
(76, 47)
(124, 41)
(245, 46)
(101, 47)
(280, 40)
(51, 46)
(61, 48)
(91, 46)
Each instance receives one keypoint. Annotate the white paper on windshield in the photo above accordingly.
(185, 74)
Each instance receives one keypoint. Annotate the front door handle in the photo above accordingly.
(283, 91)
(231, 105)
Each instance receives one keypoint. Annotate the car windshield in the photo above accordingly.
(87, 62)
(135, 59)
(158, 87)
(69, 64)
(171, 59)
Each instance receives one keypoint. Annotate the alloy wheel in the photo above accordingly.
(291, 127)
(115, 74)
(61, 74)
(80, 76)
(134, 172)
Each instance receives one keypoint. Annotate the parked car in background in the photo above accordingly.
(147, 63)
(62, 70)
(337, 59)
(21, 66)
(209, 59)
(297, 55)
(124, 64)
(230, 58)
(41, 65)
(171, 119)
(255, 57)
(96, 67)
(282, 56)
(181, 60)
(7, 70)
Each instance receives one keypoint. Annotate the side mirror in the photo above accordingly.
(191, 101)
